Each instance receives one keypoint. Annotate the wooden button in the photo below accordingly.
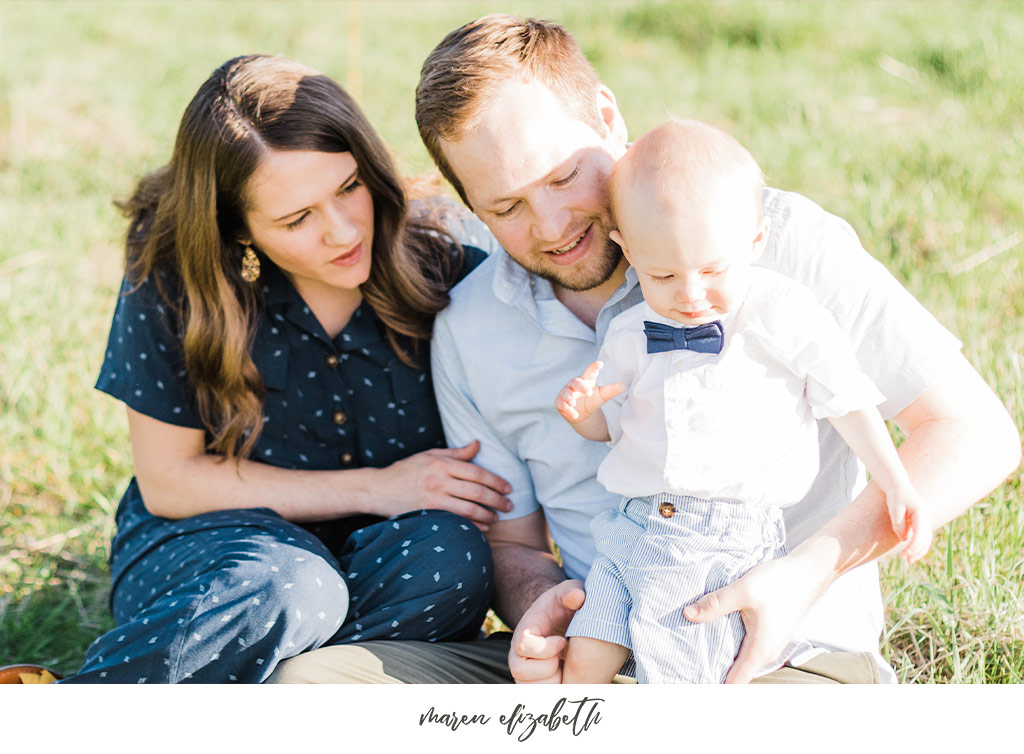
(346, 459)
(332, 360)
(667, 510)
(340, 417)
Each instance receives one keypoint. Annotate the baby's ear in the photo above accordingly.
(761, 238)
(617, 238)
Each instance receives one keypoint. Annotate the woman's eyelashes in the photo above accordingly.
(346, 189)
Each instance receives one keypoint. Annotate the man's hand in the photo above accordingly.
(539, 642)
(772, 598)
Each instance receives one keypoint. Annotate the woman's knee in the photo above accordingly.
(246, 575)
(284, 578)
(424, 575)
(459, 553)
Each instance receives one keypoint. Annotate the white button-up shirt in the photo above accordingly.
(737, 425)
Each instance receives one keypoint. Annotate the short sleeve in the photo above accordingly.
(463, 422)
(144, 365)
(817, 349)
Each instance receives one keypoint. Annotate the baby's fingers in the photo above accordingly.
(898, 515)
(607, 392)
(591, 372)
(920, 535)
(565, 404)
(920, 541)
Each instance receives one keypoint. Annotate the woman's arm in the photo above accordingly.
(178, 479)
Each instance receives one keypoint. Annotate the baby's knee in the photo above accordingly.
(590, 660)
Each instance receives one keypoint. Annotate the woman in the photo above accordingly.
(292, 489)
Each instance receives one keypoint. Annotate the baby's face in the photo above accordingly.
(692, 269)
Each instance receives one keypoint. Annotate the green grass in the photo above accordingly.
(904, 118)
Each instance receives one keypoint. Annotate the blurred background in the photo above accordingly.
(903, 118)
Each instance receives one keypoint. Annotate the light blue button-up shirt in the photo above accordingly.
(506, 347)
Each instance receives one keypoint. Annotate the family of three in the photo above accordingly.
(341, 397)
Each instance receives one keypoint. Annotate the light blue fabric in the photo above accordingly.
(502, 392)
(649, 567)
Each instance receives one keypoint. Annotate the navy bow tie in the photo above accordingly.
(702, 338)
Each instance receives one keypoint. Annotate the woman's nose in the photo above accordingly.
(340, 231)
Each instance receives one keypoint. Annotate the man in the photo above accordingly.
(520, 124)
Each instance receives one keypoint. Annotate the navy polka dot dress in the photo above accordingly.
(224, 596)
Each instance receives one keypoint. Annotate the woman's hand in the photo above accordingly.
(442, 479)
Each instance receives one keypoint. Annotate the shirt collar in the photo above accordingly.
(511, 281)
(280, 296)
(534, 295)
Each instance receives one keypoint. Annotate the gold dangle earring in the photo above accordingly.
(250, 265)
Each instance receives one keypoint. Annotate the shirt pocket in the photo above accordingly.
(411, 420)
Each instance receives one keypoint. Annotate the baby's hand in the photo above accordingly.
(910, 521)
(581, 396)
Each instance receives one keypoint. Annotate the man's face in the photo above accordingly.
(538, 177)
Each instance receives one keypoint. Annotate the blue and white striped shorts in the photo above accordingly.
(656, 555)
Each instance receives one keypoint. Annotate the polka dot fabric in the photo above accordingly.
(251, 586)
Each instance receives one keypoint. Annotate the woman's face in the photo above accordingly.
(312, 217)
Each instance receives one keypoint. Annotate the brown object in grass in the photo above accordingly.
(27, 674)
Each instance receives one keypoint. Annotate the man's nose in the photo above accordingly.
(550, 224)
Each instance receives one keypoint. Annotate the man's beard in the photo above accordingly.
(602, 263)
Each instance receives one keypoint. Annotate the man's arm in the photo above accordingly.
(960, 445)
(533, 594)
(524, 564)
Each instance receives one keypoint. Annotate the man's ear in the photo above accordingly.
(610, 115)
(617, 238)
(761, 239)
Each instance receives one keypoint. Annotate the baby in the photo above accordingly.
(715, 383)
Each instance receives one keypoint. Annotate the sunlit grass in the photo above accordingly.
(903, 118)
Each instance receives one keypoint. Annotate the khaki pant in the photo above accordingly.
(486, 661)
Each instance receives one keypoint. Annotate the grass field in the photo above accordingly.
(904, 118)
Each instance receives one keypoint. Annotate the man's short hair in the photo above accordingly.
(474, 60)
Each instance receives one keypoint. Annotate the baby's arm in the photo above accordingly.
(866, 434)
(580, 401)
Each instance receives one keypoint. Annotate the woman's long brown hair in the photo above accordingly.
(186, 219)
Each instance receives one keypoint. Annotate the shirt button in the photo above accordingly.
(667, 510)
(340, 417)
(346, 459)
(332, 360)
